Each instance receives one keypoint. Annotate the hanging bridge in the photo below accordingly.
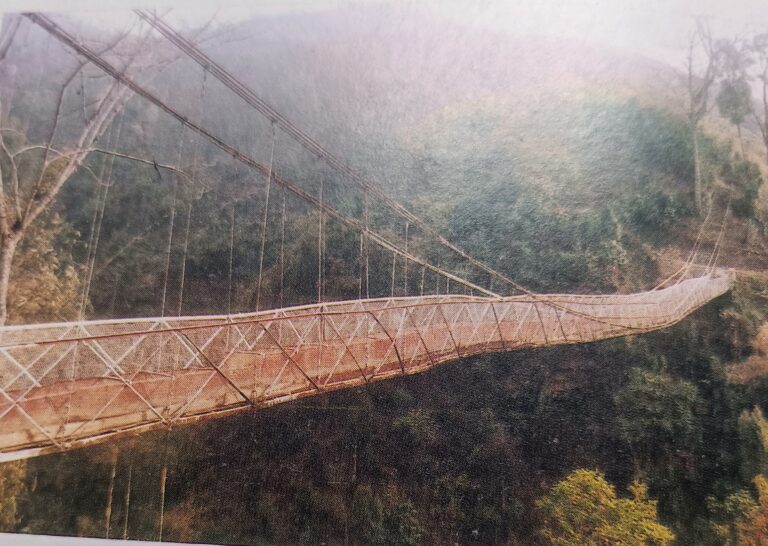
(72, 384)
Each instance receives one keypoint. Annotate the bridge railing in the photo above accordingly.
(64, 385)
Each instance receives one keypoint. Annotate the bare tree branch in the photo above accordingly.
(61, 160)
(8, 35)
(14, 181)
(3, 204)
(54, 128)
(141, 160)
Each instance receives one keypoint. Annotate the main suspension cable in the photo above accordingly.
(236, 154)
(171, 224)
(683, 271)
(250, 97)
(93, 243)
(282, 251)
(320, 242)
(716, 250)
(270, 168)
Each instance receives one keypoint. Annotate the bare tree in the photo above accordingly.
(10, 26)
(734, 99)
(703, 69)
(33, 173)
(760, 52)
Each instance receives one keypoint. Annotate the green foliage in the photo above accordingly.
(13, 487)
(418, 428)
(743, 516)
(401, 525)
(653, 210)
(734, 100)
(753, 443)
(660, 419)
(583, 510)
(45, 283)
(548, 249)
(728, 515)
(745, 179)
(753, 524)
(573, 195)
(376, 524)
(742, 317)
(636, 145)
(658, 415)
(367, 517)
(571, 214)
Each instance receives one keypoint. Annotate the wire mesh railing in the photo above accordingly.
(67, 385)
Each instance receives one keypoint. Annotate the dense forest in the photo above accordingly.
(565, 183)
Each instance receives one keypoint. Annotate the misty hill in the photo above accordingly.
(582, 152)
(371, 72)
(565, 166)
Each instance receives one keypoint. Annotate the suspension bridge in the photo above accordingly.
(72, 384)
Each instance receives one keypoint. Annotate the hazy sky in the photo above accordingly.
(656, 28)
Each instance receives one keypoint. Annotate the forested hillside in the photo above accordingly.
(566, 168)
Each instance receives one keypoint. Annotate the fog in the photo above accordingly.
(656, 28)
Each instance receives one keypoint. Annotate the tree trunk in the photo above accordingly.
(8, 246)
(765, 143)
(110, 491)
(741, 140)
(128, 499)
(696, 170)
(163, 480)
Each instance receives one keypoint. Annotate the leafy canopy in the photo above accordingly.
(583, 510)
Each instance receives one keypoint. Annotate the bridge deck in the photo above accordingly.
(72, 384)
